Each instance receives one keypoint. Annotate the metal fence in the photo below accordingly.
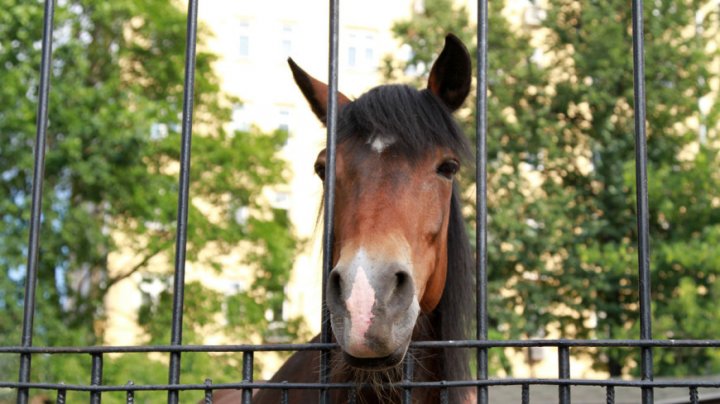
(645, 344)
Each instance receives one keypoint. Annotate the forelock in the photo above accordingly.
(415, 121)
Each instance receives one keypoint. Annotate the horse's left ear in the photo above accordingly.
(315, 91)
(451, 74)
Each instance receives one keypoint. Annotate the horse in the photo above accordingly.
(402, 262)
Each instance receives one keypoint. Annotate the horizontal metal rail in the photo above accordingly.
(610, 343)
(309, 386)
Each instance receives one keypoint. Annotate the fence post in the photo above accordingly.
(642, 195)
(481, 198)
(36, 213)
(329, 192)
(183, 197)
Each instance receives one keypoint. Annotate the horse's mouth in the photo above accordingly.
(382, 363)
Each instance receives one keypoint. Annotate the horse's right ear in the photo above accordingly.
(315, 91)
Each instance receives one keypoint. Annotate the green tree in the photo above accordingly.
(683, 216)
(111, 180)
(562, 230)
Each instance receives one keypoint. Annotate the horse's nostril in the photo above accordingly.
(399, 294)
(401, 279)
(335, 286)
(403, 289)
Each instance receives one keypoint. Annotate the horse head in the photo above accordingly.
(397, 153)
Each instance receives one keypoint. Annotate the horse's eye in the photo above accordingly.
(448, 168)
(320, 170)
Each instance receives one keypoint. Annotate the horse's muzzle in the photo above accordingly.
(373, 309)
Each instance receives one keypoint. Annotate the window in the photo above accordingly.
(244, 40)
(240, 120)
(286, 39)
(369, 53)
(351, 56)
(284, 120)
(361, 50)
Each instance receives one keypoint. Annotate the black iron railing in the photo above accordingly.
(183, 198)
(564, 381)
(38, 173)
(645, 344)
(329, 193)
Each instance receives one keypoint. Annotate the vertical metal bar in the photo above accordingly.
(525, 394)
(352, 399)
(96, 377)
(208, 391)
(60, 399)
(284, 399)
(693, 395)
(444, 394)
(130, 395)
(247, 371)
(481, 197)
(41, 123)
(329, 190)
(564, 373)
(183, 196)
(610, 395)
(642, 195)
(408, 370)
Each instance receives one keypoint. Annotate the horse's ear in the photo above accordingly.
(315, 91)
(451, 74)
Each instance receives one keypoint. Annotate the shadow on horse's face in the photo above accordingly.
(392, 212)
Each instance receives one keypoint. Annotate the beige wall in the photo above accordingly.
(262, 80)
(272, 31)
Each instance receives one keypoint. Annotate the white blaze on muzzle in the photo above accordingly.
(359, 305)
(373, 302)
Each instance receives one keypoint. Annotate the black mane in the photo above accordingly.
(455, 310)
(417, 120)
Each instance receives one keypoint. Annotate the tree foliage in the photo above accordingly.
(111, 178)
(562, 216)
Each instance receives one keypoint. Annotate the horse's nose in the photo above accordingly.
(370, 301)
(382, 291)
(395, 291)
